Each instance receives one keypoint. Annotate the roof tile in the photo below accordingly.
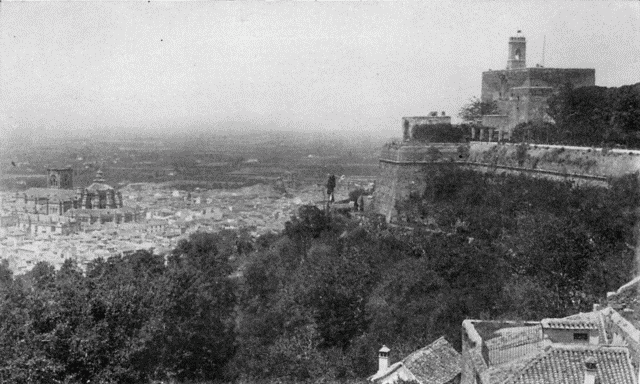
(435, 364)
(565, 365)
(569, 324)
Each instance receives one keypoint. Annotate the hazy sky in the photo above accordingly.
(335, 66)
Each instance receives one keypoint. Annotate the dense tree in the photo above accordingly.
(440, 133)
(476, 108)
(308, 224)
(582, 114)
(125, 319)
(596, 116)
(317, 300)
(537, 132)
(335, 286)
(196, 337)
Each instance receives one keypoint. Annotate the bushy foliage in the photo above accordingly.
(504, 247)
(125, 320)
(596, 116)
(317, 301)
(563, 237)
(537, 132)
(440, 133)
(476, 108)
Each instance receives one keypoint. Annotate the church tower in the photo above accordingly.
(517, 52)
(60, 178)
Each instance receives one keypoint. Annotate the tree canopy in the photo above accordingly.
(476, 108)
(593, 116)
(123, 320)
(316, 301)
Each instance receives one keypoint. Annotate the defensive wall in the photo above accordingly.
(577, 163)
(402, 172)
(498, 84)
(403, 165)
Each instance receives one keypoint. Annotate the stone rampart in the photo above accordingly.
(402, 166)
(402, 172)
(563, 160)
(421, 153)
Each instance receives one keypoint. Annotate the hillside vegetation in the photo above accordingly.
(315, 302)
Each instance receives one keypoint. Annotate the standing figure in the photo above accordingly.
(331, 185)
(360, 203)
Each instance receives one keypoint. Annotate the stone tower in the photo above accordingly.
(517, 52)
(521, 93)
(60, 178)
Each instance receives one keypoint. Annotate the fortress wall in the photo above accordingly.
(401, 172)
(420, 152)
(395, 183)
(557, 77)
(402, 168)
(494, 82)
(522, 94)
(562, 159)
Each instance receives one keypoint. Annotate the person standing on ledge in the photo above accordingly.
(331, 185)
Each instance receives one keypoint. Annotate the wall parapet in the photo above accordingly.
(474, 164)
(621, 151)
(537, 171)
(580, 162)
(416, 154)
(402, 165)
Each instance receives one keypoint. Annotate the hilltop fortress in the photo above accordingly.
(521, 95)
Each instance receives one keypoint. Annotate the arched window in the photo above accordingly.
(517, 56)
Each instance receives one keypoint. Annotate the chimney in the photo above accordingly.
(383, 359)
(590, 370)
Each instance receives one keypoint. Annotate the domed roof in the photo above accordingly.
(99, 184)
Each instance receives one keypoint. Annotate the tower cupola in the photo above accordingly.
(99, 177)
(517, 52)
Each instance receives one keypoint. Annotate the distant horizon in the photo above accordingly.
(82, 69)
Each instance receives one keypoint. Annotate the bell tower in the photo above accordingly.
(517, 52)
(60, 178)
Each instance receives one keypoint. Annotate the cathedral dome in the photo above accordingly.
(98, 184)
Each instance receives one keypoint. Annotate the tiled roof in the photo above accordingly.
(568, 324)
(380, 376)
(435, 364)
(593, 317)
(515, 336)
(516, 343)
(565, 365)
(500, 373)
